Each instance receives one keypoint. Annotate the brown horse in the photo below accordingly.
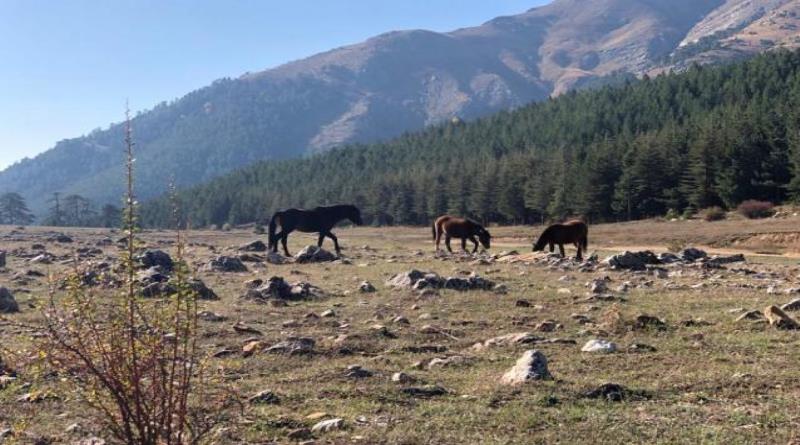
(574, 232)
(453, 227)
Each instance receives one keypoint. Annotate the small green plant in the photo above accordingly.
(672, 214)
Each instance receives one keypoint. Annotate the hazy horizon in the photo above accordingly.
(75, 65)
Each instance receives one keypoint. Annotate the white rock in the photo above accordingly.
(328, 425)
(597, 345)
(531, 366)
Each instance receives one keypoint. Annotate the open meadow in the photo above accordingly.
(422, 359)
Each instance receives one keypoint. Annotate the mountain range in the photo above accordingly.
(403, 81)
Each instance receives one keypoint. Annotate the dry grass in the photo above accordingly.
(724, 382)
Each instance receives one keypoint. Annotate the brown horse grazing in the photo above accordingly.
(574, 232)
(453, 227)
(318, 220)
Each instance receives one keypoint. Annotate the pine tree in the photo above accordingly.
(14, 210)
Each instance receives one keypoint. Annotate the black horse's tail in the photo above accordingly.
(272, 226)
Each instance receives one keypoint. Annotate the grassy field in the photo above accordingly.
(709, 379)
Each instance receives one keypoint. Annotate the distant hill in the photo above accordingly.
(403, 81)
(709, 136)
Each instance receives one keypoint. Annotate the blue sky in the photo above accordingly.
(69, 65)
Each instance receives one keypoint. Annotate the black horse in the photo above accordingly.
(318, 220)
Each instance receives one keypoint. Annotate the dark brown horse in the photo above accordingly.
(573, 232)
(453, 227)
(318, 220)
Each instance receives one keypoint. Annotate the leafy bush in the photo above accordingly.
(756, 209)
(714, 214)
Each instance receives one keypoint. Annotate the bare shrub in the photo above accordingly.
(136, 361)
(714, 214)
(754, 209)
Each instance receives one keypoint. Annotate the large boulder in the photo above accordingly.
(225, 264)
(152, 257)
(632, 260)
(202, 291)
(531, 366)
(8, 304)
(718, 261)
(314, 254)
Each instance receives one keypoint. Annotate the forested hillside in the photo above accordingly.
(709, 136)
(399, 82)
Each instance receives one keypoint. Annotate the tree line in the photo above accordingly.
(68, 211)
(710, 136)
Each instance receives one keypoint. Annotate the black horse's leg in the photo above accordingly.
(321, 239)
(475, 242)
(335, 242)
(580, 252)
(464, 244)
(274, 241)
(561, 249)
(285, 238)
(447, 243)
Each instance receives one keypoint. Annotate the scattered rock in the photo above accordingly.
(152, 258)
(8, 304)
(531, 366)
(366, 287)
(518, 338)
(793, 305)
(357, 372)
(255, 246)
(225, 264)
(293, 345)
(265, 397)
(640, 347)
(278, 288)
(424, 391)
(314, 254)
(60, 238)
(402, 378)
(598, 286)
(690, 254)
(597, 345)
(632, 260)
(328, 425)
(607, 391)
(200, 289)
(252, 347)
(750, 316)
(299, 434)
(645, 321)
(776, 317)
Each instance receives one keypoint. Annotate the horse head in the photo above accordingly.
(484, 237)
(355, 216)
(539, 245)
